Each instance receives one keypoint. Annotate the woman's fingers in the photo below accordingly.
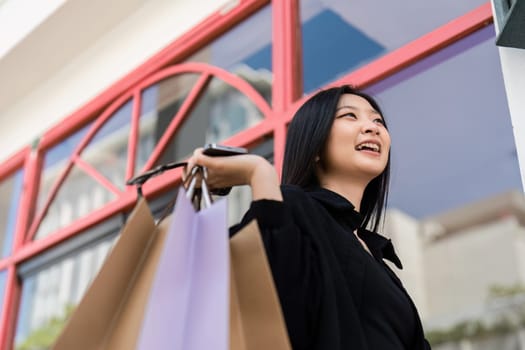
(191, 163)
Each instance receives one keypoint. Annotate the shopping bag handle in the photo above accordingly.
(145, 176)
(191, 188)
(196, 195)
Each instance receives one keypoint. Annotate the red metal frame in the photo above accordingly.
(94, 173)
(13, 163)
(287, 73)
(12, 288)
(287, 67)
(133, 134)
(10, 307)
(199, 36)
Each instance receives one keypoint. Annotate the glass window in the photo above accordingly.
(245, 50)
(10, 193)
(221, 112)
(3, 276)
(159, 105)
(449, 148)
(55, 160)
(240, 197)
(456, 202)
(361, 31)
(107, 152)
(54, 283)
(79, 195)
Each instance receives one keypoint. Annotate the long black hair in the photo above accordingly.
(306, 139)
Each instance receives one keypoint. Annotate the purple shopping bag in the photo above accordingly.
(189, 300)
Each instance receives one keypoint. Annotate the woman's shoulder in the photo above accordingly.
(291, 192)
(297, 197)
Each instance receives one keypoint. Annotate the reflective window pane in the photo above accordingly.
(107, 152)
(159, 105)
(221, 112)
(55, 160)
(50, 295)
(10, 193)
(246, 51)
(456, 200)
(361, 31)
(240, 197)
(3, 276)
(448, 148)
(79, 195)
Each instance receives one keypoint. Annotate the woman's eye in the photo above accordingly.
(351, 115)
(379, 121)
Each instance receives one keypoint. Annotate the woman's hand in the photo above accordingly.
(245, 169)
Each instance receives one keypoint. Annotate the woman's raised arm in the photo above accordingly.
(246, 169)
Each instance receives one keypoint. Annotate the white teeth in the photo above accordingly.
(370, 145)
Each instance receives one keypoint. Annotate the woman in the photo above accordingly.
(335, 290)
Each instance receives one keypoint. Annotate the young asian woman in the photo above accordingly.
(319, 226)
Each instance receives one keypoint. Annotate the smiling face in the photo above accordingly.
(358, 144)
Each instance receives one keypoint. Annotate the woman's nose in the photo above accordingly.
(370, 127)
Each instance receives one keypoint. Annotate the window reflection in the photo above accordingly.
(10, 193)
(240, 197)
(50, 294)
(159, 105)
(361, 31)
(107, 152)
(220, 112)
(3, 276)
(456, 202)
(79, 195)
(55, 160)
(246, 51)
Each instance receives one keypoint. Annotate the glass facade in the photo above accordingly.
(448, 149)
(51, 290)
(10, 193)
(246, 51)
(3, 275)
(79, 195)
(107, 152)
(221, 112)
(364, 30)
(159, 106)
(55, 161)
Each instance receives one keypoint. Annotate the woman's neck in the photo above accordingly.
(353, 191)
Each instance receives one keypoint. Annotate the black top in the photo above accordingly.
(333, 293)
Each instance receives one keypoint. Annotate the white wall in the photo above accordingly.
(462, 266)
(19, 18)
(112, 54)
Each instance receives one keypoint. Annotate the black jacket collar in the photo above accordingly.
(380, 246)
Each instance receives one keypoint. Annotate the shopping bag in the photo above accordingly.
(188, 304)
(166, 287)
(110, 314)
(256, 320)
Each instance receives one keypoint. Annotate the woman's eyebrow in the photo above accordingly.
(355, 108)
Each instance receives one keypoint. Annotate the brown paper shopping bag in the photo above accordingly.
(110, 314)
(256, 320)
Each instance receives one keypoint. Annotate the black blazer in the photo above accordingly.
(333, 293)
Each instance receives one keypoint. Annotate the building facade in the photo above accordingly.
(93, 93)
